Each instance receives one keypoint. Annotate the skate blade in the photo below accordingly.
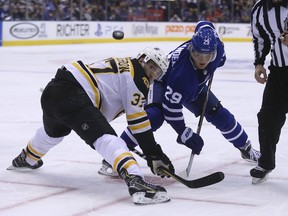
(250, 161)
(140, 199)
(20, 169)
(107, 172)
(256, 181)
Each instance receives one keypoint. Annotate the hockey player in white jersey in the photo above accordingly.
(85, 98)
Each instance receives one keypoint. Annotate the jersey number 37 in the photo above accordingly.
(138, 100)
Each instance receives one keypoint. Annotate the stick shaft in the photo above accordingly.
(200, 123)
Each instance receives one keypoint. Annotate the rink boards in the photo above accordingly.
(17, 33)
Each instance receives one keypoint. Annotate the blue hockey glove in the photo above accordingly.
(191, 140)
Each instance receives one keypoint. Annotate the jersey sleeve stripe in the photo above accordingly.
(139, 128)
(135, 116)
(171, 110)
(137, 121)
(174, 118)
(131, 68)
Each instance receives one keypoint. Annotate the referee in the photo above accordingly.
(269, 19)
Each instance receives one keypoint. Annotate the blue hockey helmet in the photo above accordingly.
(204, 40)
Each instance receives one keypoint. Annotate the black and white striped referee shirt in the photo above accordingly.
(267, 23)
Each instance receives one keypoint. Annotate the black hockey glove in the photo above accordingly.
(157, 159)
(191, 140)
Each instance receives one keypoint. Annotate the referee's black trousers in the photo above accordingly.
(272, 115)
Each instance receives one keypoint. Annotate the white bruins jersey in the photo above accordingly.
(116, 86)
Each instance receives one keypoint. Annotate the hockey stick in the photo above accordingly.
(196, 183)
(199, 126)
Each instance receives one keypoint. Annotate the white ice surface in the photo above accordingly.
(68, 183)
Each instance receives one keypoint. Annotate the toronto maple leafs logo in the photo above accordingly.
(206, 41)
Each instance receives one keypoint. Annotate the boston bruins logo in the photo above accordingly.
(146, 82)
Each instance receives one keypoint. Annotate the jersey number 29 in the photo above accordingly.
(173, 97)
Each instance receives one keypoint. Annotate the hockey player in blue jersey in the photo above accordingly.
(191, 65)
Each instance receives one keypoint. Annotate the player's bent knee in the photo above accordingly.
(220, 117)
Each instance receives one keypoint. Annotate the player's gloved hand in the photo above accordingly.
(157, 159)
(191, 140)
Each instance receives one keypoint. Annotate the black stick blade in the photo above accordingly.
(197, 183)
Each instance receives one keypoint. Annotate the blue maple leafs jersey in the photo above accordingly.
(184, 82)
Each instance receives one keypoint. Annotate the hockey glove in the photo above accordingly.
(191, 140)
(157, 159)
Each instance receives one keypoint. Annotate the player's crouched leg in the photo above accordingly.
(233, 132)
(38, 146)
(114, 150)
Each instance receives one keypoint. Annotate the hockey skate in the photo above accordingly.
(107, 169)
(142, 192)
(249, 154)
(259, 175)
(19, 163)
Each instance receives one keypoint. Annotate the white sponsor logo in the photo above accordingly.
(24, 30)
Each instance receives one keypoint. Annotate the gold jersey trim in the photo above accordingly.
(88, 74)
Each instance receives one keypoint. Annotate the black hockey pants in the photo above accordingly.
(66, 107)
